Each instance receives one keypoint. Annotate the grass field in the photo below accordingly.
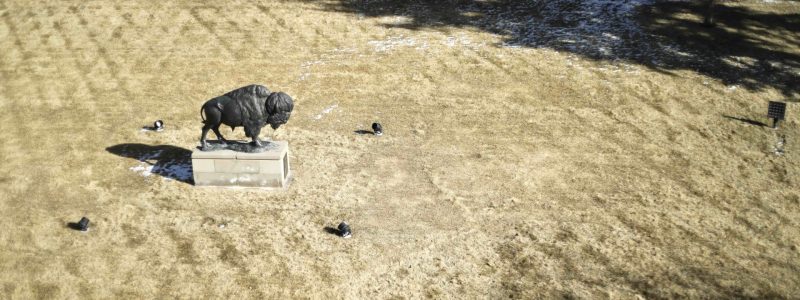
(532, 149)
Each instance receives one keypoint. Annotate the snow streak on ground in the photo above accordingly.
(396, 42)
(423, 42)
(168, 168)
(326, 111)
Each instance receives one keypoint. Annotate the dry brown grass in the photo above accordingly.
(524, 172)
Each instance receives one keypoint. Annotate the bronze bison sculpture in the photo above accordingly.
(251, 107)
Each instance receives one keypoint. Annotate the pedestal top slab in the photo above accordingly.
(272, 150)
(199, 154)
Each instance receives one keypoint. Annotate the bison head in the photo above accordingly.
(279, 109)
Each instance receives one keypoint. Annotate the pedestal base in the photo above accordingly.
(267, 169)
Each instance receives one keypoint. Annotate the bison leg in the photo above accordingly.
(219, 135)
(252, 132)
(213, 119)
(203, 144)
(256, 141)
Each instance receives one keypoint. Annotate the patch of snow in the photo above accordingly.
(174, 169)
(332, 56)
(462, 40)
(169, 169)
(396, 20)
(326, 111)
(778, 149)
(344, 50)
(396, 42)
(144, 169)
(305, 68)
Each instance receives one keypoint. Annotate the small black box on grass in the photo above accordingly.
(344, 230)
(82, 225)
(777, 112)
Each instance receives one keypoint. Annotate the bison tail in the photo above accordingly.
(202, 108)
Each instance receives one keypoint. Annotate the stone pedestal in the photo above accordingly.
(267, 169)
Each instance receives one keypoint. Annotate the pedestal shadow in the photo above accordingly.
(164, 160)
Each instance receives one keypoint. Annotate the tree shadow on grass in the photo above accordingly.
(164, 160)
(752, 48)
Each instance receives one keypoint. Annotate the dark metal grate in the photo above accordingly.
(776, 110)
